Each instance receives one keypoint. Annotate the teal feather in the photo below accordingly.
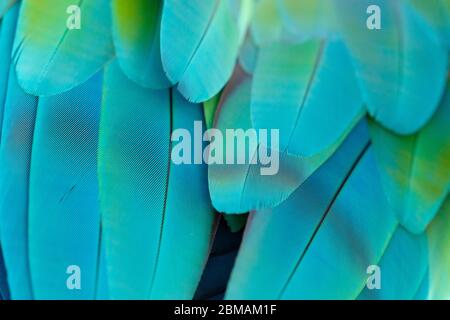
(402, 268)
(439, 254)
(136, 35)
(266, 26)
(422, 291)
(157, 219)
(4, 290)
(200, 41)
(302, 98)
(415, 169)
(437, 13)
(4, 6)
(317, 245)
(64, 219)
(248, 55)
(7, 31)
(50, 58)
(402, 67)
(15, 157)
(240, 188)
(307, 19)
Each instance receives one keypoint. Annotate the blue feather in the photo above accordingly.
(156, 216)
(64, 219)
(15, 159)
(302, 98)
(200, 42)
(402, 67)
(318, 244)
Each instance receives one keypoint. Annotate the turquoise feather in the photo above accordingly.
(439, 254)
(157, 219)
(403, 266)
(302, 98)
(49, 57)
(248, 55)
(200, 42)
(266, 26)
(239, 188)
(422, 291)
(437, 13)
(5, 5)
(307, 19)
(4, 290)
(317, 245)
(15, 157)
(136, 35)
(64, 219)
(7, 31)
(415, 169)
(402, 67)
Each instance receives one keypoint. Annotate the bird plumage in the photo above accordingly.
(87, 176)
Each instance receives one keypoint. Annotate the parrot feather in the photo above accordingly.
(49, 57)
(200, 41)
(136, 33)
(318, 244)
(403, 266)
(7, 31)
(15, 157)
(63, 218)
(266, 26)
(239, 188)
(439, 254)
(437, 14)
(307, 18)
(402, 67)
(315, 111)
(156, 216)
(416, 168)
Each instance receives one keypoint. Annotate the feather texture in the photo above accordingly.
(403, 266)
(402, 67)
(240, 188)
(49, 57)
(307, 18)
(416, 168)
(157, 219)
(318, 245)
(64, 220)
(200, 42)
(136, 33)
(313, 110)
(15, 159)
(7, 31)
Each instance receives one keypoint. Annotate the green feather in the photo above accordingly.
(136, 32)
(307, 18)
(415, 169)
(266, 24)
(49, 57)
(439, 257)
